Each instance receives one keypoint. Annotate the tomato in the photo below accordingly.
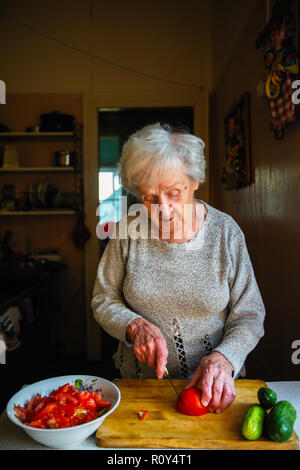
(84, 395)
(143, 414)
(99, 401)
(90, 403)
(46, 410)
(37, 424)
(63, 398)
(21, 412)
(189, 402)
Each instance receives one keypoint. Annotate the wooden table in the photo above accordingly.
(165, 427)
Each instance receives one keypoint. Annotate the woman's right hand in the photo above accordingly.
(149, 345)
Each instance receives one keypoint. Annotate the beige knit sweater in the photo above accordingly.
(202, 294)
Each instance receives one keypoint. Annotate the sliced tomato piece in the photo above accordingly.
(143, 414)
(61, 420)
(63, 398)
(37, 399)
(36, 424)
(99, 401)
(90, 416)
(90, 403)
(72, 398)
(49, 407)
(84, 395)
(68, 410)
(104, 403)
(30, 404)
(97, 395)
(21, 412)
(52, 423)
(41, 403)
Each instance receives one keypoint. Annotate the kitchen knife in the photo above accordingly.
(166, 374)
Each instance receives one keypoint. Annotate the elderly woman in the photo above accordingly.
(187, 297)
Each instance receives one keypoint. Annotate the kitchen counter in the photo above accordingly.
(14, 438)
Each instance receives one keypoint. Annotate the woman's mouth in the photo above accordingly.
(168, 220)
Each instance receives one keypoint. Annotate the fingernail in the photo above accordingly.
(204, 403)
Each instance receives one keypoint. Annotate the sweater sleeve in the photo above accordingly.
(246, 311)
(108, 303)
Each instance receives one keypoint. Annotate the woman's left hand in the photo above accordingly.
(214, 379)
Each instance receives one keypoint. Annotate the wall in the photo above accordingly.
(51, 54)
(268, 210)
(168, 39)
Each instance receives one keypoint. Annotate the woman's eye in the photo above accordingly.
(150, 198)
(174, 194)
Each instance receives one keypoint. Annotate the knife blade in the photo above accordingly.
(166, 374)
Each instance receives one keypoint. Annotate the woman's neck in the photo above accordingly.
(190, 228)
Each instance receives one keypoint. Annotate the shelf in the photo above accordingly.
(37, 168)
(39, 212)
(36, 134)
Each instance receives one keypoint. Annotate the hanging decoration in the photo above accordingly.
(282, 65)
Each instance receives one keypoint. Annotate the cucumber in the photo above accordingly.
(253, 424)
(267, 397)
(280, 421)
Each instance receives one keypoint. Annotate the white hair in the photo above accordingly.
(155, 149)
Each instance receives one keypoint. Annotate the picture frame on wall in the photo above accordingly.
(237, 172)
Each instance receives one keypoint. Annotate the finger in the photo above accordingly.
(206, 388)
(228, 396)
(161, 358)
(217, 390)
(139, 354)
(150, 355)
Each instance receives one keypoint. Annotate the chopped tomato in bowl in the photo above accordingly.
(63, 407)
(63, 411)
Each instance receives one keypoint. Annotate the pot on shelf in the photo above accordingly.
(57, 122)
(65, 158)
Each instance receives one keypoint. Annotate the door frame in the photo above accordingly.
(197, 99)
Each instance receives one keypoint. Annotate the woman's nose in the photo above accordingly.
(165, 207)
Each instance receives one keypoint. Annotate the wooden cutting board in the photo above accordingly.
(165, 427)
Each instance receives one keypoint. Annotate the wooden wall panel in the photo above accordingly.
(268, 210)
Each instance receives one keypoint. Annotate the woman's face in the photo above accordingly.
(167, 200)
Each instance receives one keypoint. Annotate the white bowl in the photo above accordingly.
(63, 437)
